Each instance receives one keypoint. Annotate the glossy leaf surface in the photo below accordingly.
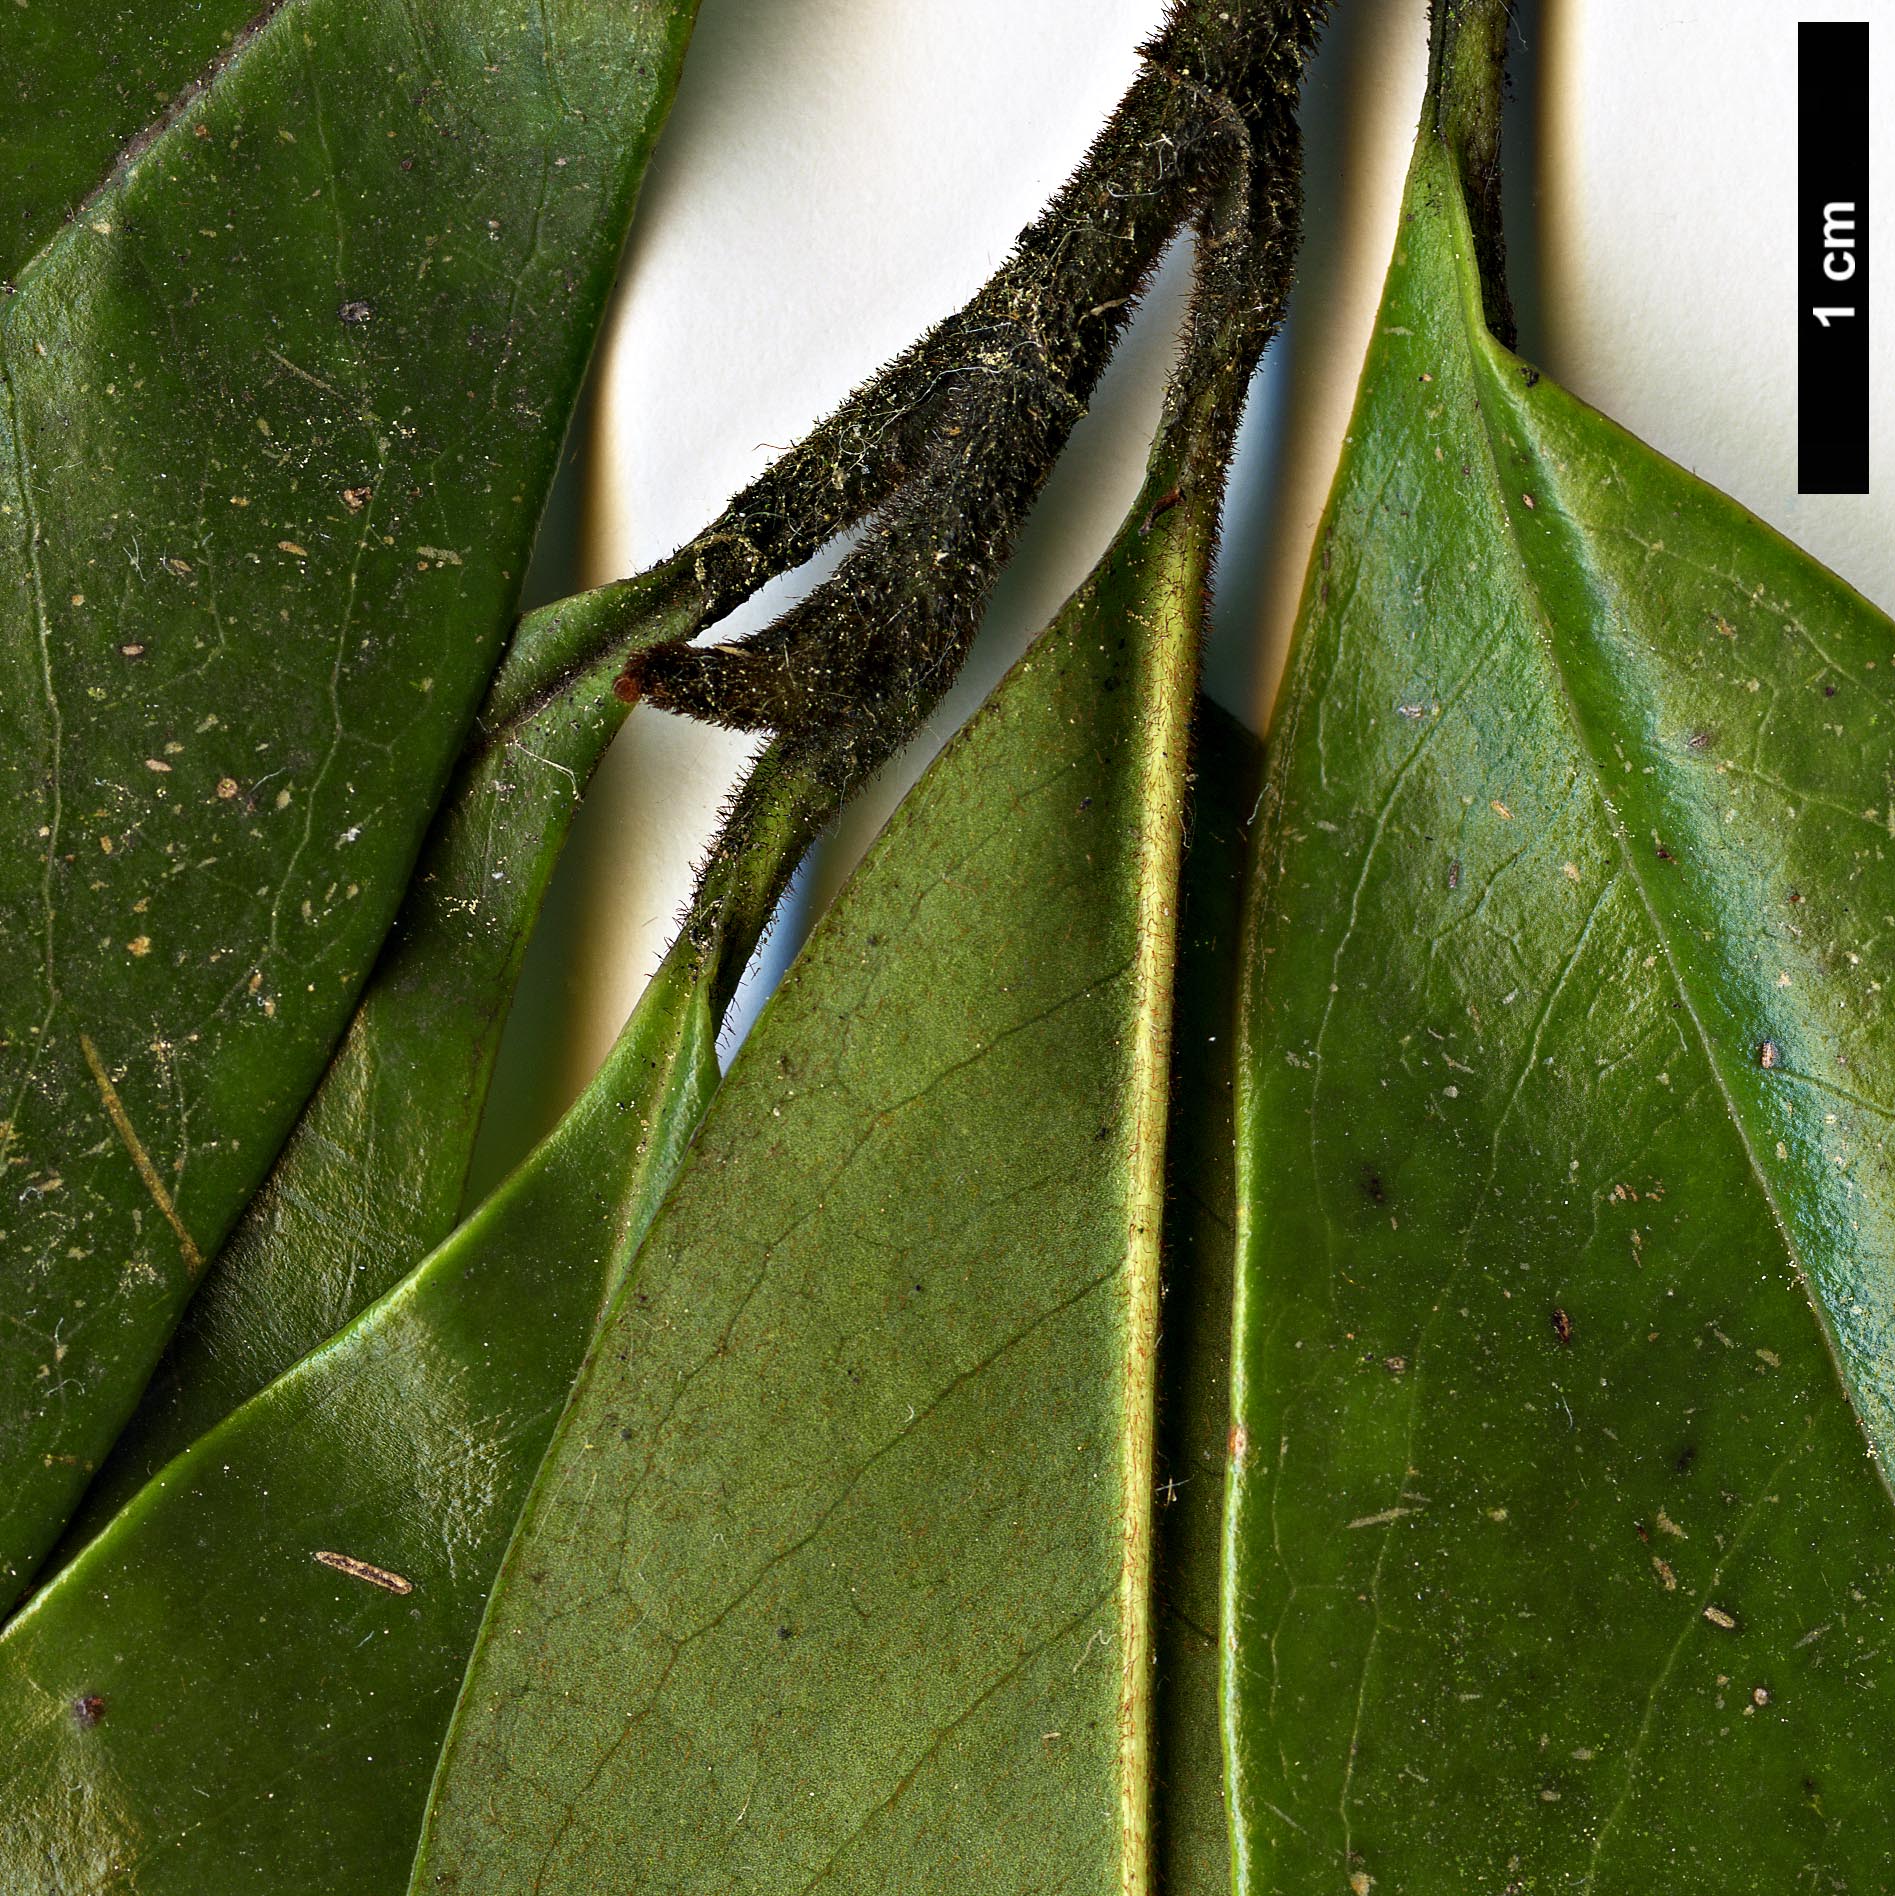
(838, 1572)
(280, 406)
(1556, 1557)
(80, 86)
(244, 1680)
(372, 1177)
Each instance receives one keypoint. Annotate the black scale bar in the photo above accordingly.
(1832, 238)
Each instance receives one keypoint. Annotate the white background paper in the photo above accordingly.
(837, 174)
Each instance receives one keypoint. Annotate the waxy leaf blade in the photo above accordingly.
(81, 85)
(1556, 1556)
(244, 1680)
(280, 407)
(839, 1569)
(371, 1179)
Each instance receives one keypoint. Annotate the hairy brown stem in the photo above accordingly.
(845, 677)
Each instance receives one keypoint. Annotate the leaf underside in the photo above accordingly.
(1556, 1554)
(204, 1700)
(823, 1580)
(279, 408)
(356, 1198)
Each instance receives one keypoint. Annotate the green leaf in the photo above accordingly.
(243, 1682)
(839, 1567)
(1555, 1558)
(356, 1199)
(83, 86)
(280, 406)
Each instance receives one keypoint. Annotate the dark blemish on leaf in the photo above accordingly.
(356, 312)
(783, 1632)
(1454, 873)
(1829, 691)
(1163, 504)
(1767, 1054)
(1085, 803)
(1562, 1327)
(625, 688)
(1373, 1186)
(407, 164)
(1685, 1457)
(87, 1711)
(1529, 375)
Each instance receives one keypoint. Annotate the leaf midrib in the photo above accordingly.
(126, 157)
(1172, 642)
(1482, 349)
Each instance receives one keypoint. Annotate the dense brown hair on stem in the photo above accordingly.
(944, 451)
(941, 453)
